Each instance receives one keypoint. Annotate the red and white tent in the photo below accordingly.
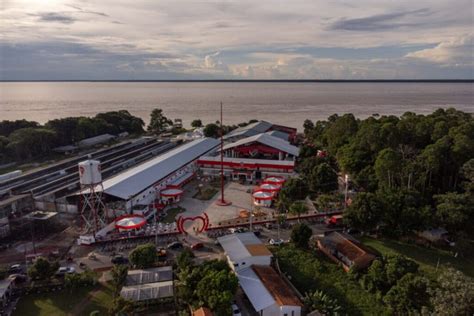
(275, 180)
(128, 222)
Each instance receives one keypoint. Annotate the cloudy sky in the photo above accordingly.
(183, 39)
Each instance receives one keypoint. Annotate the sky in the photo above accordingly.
(264, 39)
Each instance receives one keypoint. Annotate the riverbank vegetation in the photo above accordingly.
(410, 173)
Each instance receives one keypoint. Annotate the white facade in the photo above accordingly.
(237, 249)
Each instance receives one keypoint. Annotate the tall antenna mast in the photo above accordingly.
(222, 201)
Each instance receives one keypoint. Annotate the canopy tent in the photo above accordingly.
(262, 195)
(128, 222)
(267, 187)
(274, 180)
(171, 192)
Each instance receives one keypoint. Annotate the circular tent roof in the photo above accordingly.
(269, 187)
(133, 221)
(171, 192)
(274, 180)
(262, 195)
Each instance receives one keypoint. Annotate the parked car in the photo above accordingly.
(65, 270)
(16, 268)
(161, 252)
(236, 310)
(334, 221)
(257, 233)
(175, 245)
(276, 242)
(196, 246)
(119, 259)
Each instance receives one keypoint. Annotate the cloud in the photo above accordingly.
(380, 22)
(213, 62)
(458, 51)
(55, 17)
(81, 10)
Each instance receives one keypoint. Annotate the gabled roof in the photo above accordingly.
(127, 184)
(253, 287)
(349, 247)
(279, 134)
(280, 291)
(203, 311)
(242, 245)
(250, 130)
(267, 140)
(152, 275)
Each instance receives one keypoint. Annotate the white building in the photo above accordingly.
(141, 185)
(244, 250)
(268, 292)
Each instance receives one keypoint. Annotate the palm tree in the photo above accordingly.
(320, 301)
(119, 275)
(298, 208)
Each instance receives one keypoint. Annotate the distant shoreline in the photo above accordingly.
(269, 80)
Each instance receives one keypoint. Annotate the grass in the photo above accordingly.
(171, 214)
(65, 302)
(205, 194)
(310, 270)
(427, 258)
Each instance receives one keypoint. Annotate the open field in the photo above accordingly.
(310, 270)
(80, 302)
(427, 258)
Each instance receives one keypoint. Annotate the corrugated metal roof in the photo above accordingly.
(250, 130)
(133, 181)
(253, 287)
(160, 274)
(279, 134)
(235, 245)
(268, 140)
(149, 291)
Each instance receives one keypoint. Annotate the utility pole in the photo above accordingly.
(222, 201)
(346, 180)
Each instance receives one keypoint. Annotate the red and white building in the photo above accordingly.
(253, 159)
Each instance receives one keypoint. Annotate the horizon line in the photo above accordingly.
(244, 80)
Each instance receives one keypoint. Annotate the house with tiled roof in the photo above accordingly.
(346, 250)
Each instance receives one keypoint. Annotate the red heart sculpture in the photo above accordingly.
(204, 219)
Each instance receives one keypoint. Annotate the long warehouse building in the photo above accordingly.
(141, 184)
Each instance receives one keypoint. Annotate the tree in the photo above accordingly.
(323, 303)
(323, 178)
(365, 212)
(121, 307)
(119, 276)
(28, 143)
(217, 289)
(453, 295)
(211, 130)
(408, 296)
(8, 127)
(143, 256)
(196, 123)
(300, 235)
(294, 189)
(298, 208)
(455, 211)
(158, 122)
(42, 269)
(185, 259)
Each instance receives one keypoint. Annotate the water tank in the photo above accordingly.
(89, 172)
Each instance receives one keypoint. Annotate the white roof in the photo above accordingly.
(249, 130)
(147, 291)
(254, 289)
(235, 245)
(133, 181)
(268, 140)
(152, 275)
